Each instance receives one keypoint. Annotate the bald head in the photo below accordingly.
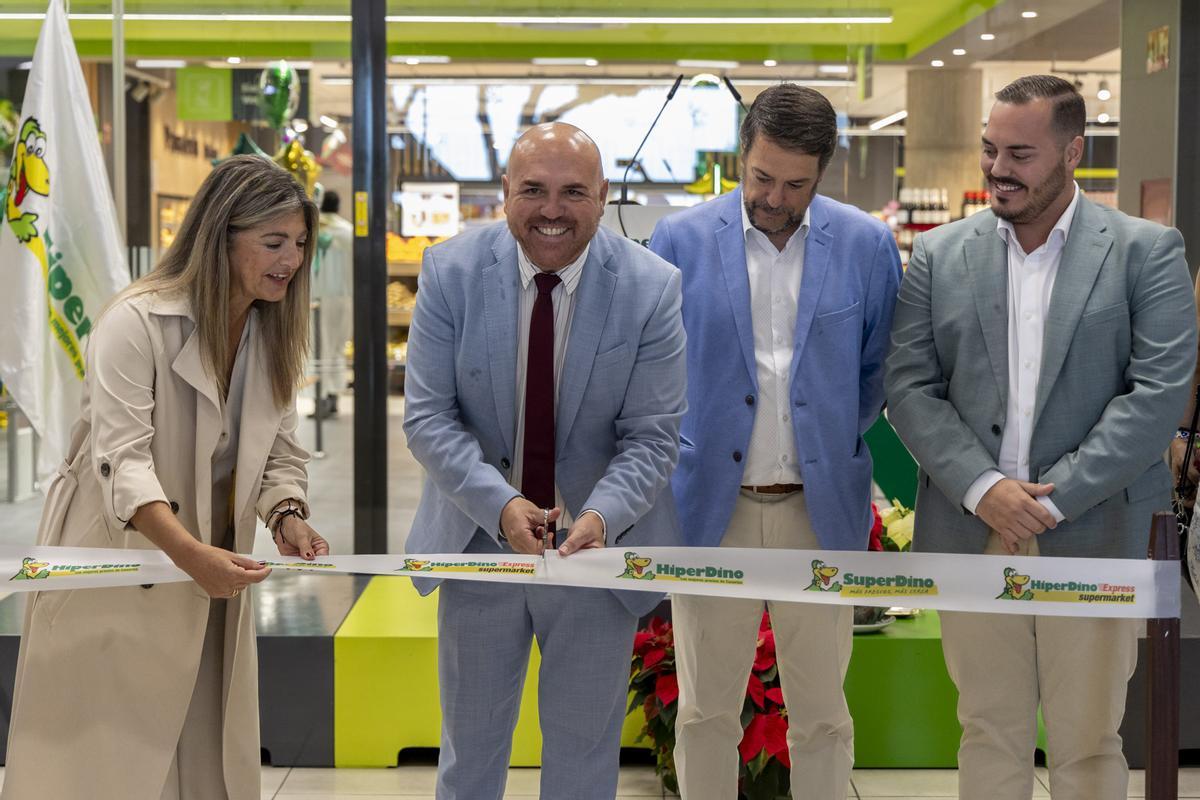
(554, 193)
(555, 141)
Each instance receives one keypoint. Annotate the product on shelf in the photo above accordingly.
(974, 202)
(409, 248)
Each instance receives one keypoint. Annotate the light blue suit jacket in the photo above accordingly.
(620, 400)
(847, 295)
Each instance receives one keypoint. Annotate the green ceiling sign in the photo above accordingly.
(204, 94)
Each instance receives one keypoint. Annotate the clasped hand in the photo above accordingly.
(1011, 508)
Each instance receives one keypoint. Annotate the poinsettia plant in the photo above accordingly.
(893, 528)
(764, 764)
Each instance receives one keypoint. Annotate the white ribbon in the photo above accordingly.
(1073, 587)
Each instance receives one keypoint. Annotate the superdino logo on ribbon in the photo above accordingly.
(854, 585)
(34, 570)
(29, 179)
(636, 568)
(477, 567)
(1026, 587)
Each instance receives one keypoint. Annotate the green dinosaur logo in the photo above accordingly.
(823, 578)
(1015, 586)
(29, 173)
(416, 565)
(635, 567)
(32, 570)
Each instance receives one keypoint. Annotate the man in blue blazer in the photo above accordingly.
(787, 303)
(545, 383)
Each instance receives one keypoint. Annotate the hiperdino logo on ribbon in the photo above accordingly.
(34, 570)
(478, 567)
(1025, 587)
(638, 568)
(852, 585)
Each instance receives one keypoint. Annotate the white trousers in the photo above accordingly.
(1005, 666)
(715, 644)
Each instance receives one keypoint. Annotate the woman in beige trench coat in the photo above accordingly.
(186, 437)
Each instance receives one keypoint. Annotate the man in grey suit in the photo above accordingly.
(1041, 356)
(544, 388)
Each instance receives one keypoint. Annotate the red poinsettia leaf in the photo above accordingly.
(641, 641)
(765, 625)
(775, 695)
(667, 688)
(775, 734)
(753, 738)
(652, 657)
(755, 689)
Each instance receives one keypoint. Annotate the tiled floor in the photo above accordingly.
(331, 495)
(416, 783)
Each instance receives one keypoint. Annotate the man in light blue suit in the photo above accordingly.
(787, 303)
(545, 384)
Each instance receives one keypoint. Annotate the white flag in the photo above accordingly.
(61, 256)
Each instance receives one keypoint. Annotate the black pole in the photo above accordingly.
(1163, 677)
(368, 50)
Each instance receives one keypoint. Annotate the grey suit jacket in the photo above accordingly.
(1120, 346)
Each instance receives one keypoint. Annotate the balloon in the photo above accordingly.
(278, 93)
(301, 163)
(245, 147)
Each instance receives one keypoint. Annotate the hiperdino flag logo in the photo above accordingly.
(1026, 587)
(852, 585)
(638, 568)
(33, 569)
(479, 567)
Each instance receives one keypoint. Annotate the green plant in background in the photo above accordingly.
(8, 129)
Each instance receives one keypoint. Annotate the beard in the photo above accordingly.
(791, 221)
(1041, 197)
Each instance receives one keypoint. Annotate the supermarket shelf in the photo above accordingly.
(404, 269)
(399, 317)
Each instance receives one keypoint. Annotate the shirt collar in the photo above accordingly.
(749, 230)
(569, 275)
(1058, 234)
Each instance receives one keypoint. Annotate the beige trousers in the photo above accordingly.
(197, 772)
(1077, 669)
(715, 644)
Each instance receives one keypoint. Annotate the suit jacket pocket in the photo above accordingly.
(608, 357)
(832, 318)
(1116, 311)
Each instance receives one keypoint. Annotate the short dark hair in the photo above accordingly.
(330, 202)
(795, 118)
(1069, 112)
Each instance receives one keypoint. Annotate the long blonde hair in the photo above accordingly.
(240, 193)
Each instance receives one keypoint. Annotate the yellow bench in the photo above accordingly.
(386, 682)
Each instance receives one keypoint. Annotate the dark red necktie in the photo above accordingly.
(537, 474)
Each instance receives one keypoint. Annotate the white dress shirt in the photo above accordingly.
(563, 298)
(774, 294)
(1030, 283)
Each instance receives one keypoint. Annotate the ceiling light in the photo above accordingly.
(160, 63)
(890, 119)
(233, 60)
(1105, 93)
(564, 62)
(770, 62)
(958, 51)
(328, 121)
(937, 62)
(1103, 117)
(699, 63)
(1029, 14)
(987, 37)
(413, 60)
(834, 69)
(864, 18)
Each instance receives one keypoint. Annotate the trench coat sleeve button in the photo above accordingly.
(505, 463)
(105, 469)
(174, 507)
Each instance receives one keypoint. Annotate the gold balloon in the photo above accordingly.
(301, 163)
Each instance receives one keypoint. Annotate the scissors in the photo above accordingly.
(547, 533)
